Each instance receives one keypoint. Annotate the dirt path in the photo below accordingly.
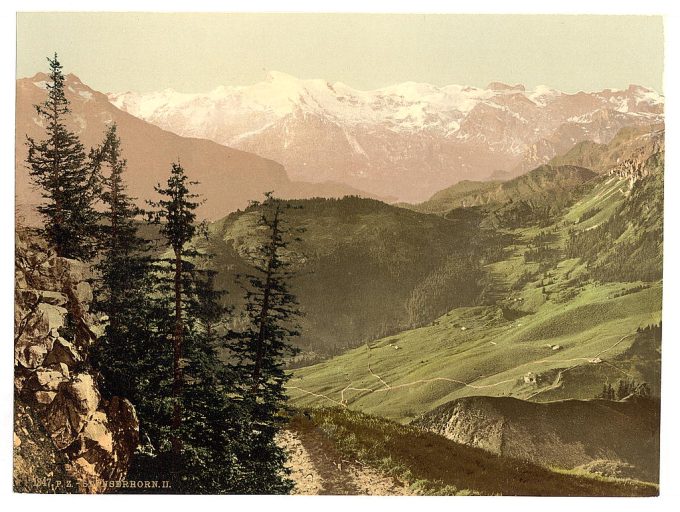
(318, 468)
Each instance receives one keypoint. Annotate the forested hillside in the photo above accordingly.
(364, 269)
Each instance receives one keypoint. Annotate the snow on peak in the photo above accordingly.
(645, 95)
(281, 77)
(542, 95)
(404, 106)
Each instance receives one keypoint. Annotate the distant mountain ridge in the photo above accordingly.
(406, 140)
(228, 178)
(546, 183)
(631, 143)
(629, 149)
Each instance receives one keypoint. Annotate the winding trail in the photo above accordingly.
(317, 468)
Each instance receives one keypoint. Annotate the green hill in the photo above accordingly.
(365, 269)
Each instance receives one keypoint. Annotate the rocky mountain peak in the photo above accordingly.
(500, 86)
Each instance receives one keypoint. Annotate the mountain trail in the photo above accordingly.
(317, 468)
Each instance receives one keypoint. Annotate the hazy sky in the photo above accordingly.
(197, 52)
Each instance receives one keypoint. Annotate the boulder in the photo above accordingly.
(75, 404)
(85, 474)
(36, 331)
(53, 298)
(97, 434)
(45, 379)
(45, 397)
(124, 426)
(72, 270)
(63, 352)
(41, 385)
(83, 292)
(106, 442)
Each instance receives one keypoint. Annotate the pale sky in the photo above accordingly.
(115, 52)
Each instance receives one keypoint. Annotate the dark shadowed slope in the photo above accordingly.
(623, 436)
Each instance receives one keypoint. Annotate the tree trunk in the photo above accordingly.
(177, 342)
(116, 291)
(56, 177)
(264, 312)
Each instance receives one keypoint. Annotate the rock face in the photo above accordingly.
(90, 438)
(586, 434)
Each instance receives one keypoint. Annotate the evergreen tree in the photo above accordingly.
(59, 167)
(261, 348)
(176, 214)
(123, 269)
(201, 428)
(214, 430)
(607, 392)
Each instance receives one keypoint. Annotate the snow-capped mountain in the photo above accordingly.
(407, 140)
(228, 178)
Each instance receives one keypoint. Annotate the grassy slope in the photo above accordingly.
(432, 464)
(555, 305)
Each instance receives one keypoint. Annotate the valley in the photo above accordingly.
(543, 329)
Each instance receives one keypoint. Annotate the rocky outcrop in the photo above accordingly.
(642, 162)
(92, 439)
(585, 434)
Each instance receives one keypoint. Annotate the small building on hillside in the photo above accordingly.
(530, 378)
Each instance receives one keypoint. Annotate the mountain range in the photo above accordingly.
(228, 178)
(406, 140)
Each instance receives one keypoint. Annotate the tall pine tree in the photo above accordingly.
(206, 425)
(68, 184)
(261, 349)
(123, 269)
(175, 213)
